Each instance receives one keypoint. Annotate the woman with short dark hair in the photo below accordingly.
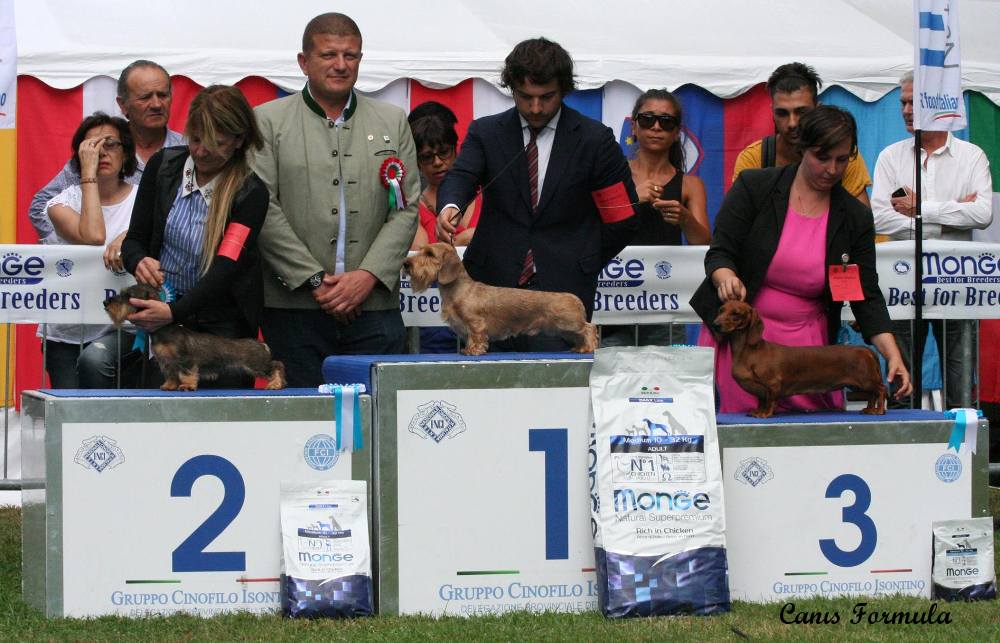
(777, 235)
(95, 212)
(434, 136)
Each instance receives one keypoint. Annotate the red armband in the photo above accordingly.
(233, 241)
(613, 203)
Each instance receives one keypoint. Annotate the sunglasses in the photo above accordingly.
(667, 122)
(444, 153)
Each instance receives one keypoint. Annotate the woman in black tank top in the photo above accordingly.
(671, 204)
(669, 201)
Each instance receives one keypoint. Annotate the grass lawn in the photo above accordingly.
(969, 621)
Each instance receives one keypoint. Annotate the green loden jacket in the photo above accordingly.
(302, 157)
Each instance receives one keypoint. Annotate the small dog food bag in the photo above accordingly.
(658, 519)
(963, 560)
(326, 566)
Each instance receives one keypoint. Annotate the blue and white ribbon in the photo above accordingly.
(166, 296)
(346, 414)
(965, 429)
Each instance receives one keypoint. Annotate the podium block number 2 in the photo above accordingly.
(190, 555)
(553, 443)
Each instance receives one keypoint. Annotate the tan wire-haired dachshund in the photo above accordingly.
(770, 371)
(479, 313)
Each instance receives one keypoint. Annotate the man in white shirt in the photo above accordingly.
(956, 198)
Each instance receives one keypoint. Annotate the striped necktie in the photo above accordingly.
(531, 151)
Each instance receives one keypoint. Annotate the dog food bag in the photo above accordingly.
(656, 477)
(963, 560)
(326, 556)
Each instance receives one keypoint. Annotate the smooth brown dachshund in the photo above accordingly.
(770, 371)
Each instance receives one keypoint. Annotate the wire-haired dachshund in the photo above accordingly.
(770, 371)
(479, 313)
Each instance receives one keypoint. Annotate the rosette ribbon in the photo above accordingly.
(166, 296)
(346, 414)
(965, 429)
(392, 174)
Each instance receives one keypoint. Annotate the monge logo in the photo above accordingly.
(15, 271)
(631, 500)
(901, 267)
(622, 274)
(961, 269)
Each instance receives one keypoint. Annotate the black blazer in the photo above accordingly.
(569, 240)
(748, 227)
(226, 284)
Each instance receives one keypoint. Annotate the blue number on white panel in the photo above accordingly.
(553, 443)
(190, 555)
(854, 515)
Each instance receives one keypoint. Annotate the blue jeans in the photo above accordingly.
(302, 339)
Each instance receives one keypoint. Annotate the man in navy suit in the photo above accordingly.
(558, 193)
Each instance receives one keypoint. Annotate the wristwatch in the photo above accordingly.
(315, 281)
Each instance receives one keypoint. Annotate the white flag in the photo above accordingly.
(937, 63)
(8, 66)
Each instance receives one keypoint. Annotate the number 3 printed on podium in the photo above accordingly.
(854, 515)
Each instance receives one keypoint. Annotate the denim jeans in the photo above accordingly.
(302, 339)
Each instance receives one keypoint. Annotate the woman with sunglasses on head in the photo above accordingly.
(778, 233)
(433, 127)
(194, 233)
(670, 201)
(96, 212)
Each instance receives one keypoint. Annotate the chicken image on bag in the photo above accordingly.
(326, 566)
(657, 511)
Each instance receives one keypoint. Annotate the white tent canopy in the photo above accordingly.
(723, 46)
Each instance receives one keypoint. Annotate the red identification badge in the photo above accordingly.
(233, 240)
(845, 283)
(613, 203)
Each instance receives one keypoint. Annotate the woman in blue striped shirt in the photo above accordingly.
(195, 224)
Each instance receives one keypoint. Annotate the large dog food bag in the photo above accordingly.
(326, 556)
(658, 520)
(963, 560)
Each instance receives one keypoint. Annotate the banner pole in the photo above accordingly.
(918, 337)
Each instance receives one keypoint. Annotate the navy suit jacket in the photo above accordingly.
(570, 239)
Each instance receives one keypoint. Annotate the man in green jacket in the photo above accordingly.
(342, 172)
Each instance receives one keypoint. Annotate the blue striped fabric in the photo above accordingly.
(183, 239)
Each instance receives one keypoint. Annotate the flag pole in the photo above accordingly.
(917, 353)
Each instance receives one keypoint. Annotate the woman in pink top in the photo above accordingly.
(777, 233)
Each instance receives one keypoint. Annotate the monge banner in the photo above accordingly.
(937, 67)
(57, 284)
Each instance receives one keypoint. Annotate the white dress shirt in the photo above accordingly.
(954, 170)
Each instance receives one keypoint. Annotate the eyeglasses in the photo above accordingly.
(111, 145)
(444, 153)
(667, 122)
